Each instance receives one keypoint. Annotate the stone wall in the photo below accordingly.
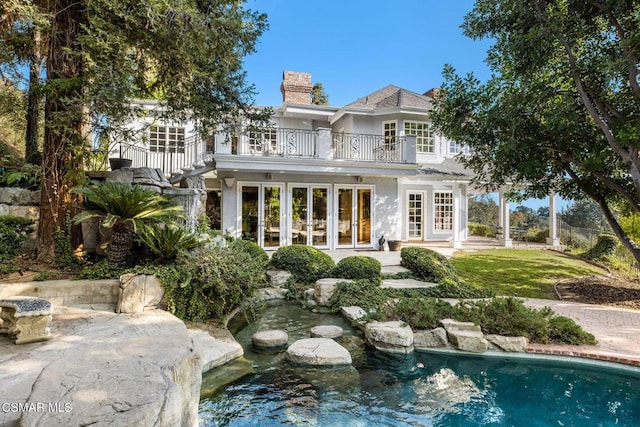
(19, 202)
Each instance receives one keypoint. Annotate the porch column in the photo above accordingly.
(456, 241)
(505, 240)
(324, 144)
(553, 239)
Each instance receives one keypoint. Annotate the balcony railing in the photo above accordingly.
(281, 142)
(369, 148)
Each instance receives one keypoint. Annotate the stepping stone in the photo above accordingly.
(326, 331)
(406, 284)
(270, 341)
(389, 337)
(318, 352)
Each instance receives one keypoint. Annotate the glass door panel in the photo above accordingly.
(271, 215)
(364, 217)
(319, 232)
(250, 220)
(299, 200)
(415, 210)
(345, 217)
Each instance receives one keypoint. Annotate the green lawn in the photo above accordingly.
(520, 272)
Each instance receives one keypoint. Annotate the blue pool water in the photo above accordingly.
(423, 389)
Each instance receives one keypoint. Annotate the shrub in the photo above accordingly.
(251, 248)
(364, 293)
(538, 236)
(420, 313)
(565, 330)
(14, 231)
(358, 267)
(605, 246)
(481, 230)
(427, 264)
(166, 241)
(211, 283)
(305, 263)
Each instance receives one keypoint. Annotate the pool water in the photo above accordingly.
(421, 389)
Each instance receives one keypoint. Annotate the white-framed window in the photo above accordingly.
(443, 210)
(263, 140)
(456, 148)
(389, 132)
(425, 142)
(166, 139)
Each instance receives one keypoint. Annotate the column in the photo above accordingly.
(505, 240)
(553, 239)
(456, 240)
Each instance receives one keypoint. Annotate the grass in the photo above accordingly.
(520, 272)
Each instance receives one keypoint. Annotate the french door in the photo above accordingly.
(309, 215)
(415, 214)
(353, 220)
(261, 214)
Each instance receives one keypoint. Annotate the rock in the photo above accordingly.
(271, 340)
(353, 313)
(104, 369)
(268, 294)
(31, 212)
(19, 196)
(390, 337)
(454, 325)
(318, 352)
(434, 338)
(326, 331)
(150, 177)
(325, 289)
(511, 344)
(472, 341)
(138, 292)
(278, 277)
(216, 350)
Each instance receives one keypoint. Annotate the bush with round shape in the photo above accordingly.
(305, 263)
(427, 264)
(252, 248)
(358, 267)
(605, 246)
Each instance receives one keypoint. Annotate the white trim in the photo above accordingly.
(289, 210)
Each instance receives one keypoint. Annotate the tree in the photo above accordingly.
(100, 54)
(562, 109)
(586, 214)
(318, 96)
(483, 209)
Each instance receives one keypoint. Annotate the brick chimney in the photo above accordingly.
(296, 87)
(432, 93)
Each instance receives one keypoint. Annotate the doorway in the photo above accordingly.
(354, 222)
(415, 215)
(261, 214)
(309, 215)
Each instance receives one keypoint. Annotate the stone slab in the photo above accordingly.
(318, 352)
(434, 338)
(217, 345)
(390, 337)
(455, 325)
(326, 331)
(471, 341)
(510, 344)
(406, 284)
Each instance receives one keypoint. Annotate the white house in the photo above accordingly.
(331, 177)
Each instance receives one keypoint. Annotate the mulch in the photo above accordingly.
(605, 290)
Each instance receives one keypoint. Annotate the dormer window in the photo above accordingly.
(425, 142)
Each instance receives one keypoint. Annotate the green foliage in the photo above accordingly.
(65, 258)
(318, 95)
(251, 248)
(605, 247)
(481, 230)
(305, 263)
(483, 209)
(101, 270)
(364, 293)
(419, 313)
(510, 317)
(358, 267)
(14, 231)
(427, 264)
(166, 241)
(210, 283)
(24, 176)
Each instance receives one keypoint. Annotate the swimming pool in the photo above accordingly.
(421, 389)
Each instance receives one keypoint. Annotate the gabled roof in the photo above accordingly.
(392, 96)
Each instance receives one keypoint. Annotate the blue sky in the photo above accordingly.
(357, 47)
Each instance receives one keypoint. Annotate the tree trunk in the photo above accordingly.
(63, 142)
(32, 155)
(120, 246)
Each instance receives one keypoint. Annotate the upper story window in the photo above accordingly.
(263, 140)
(456, 148)
(389, 131)
(425, 142)
(166, 139)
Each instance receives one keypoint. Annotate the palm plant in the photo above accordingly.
(124, 208)
(167, 241)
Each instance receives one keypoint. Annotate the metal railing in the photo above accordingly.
(281, 142)
(170, 159)
(370, 148)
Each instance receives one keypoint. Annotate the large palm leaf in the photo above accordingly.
(124, 208)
